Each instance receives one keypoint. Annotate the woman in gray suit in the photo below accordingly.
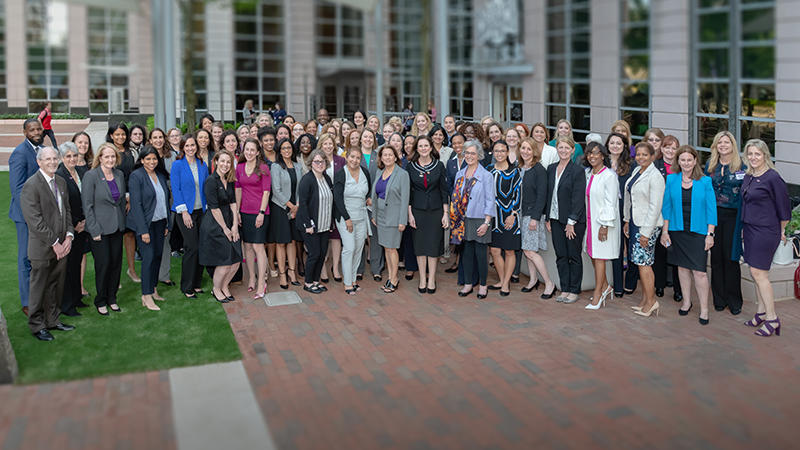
(390, 195)
(103, 192)
(286, 175)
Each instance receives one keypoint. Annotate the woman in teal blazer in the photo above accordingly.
(690, 216)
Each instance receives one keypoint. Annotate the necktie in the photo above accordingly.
(54, 188)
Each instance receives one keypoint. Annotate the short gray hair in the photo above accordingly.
(474, 143)
(42, 150)
(67, 147)
(594, 137)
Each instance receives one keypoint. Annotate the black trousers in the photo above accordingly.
(191, 271)
(474, 259)
(47, 287)
(151, 255)
(568, 255)
(107, 253)
(624, 279)
(664, 271)
(726, 276)
(52, 135)
(316, 248)
(72, 282)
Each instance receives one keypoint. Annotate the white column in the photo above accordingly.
(669, 67)
(16, 57)
(301, 77)
(605, 62)
(78, 54)
(787, 90)
(534, 86)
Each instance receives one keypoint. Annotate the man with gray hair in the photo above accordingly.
(46, 209)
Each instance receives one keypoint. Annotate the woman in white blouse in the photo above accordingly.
(602, 218)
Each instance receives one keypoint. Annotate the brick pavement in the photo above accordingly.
(423, 372)
(411, 371)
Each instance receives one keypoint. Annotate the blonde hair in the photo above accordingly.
(713, 160)
(415, 131)
(565, 139)
(571, 136)
(103, 146)
(397, 123)
(324, 138)
(761, 146)
(624, 124)
(519, 141)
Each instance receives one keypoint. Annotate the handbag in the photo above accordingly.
(784, 254)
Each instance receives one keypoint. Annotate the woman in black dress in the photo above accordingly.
(286, 174)
(428, 210)
(70, 171)
(219, 230)
(506, 237)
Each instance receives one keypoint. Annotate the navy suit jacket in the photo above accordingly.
(21, 166)
(143, 200)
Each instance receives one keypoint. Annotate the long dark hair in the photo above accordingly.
(279, 157)
(434, 152)
(150, 150)
(89, 153)
(112, 127)
(590, 147)
(259, 155)
(624, 161)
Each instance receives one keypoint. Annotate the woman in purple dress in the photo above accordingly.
(765, 212)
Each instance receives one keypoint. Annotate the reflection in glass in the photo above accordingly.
(707, 128)
(712, 98)
(758, 130)
(758, 24)
(714, 27)
(758, 62)
(636, 95)
(714, 63)
(638, 120)
(758, 100)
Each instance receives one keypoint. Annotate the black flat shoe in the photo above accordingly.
(231, 298)
(504, 293)
(325, 280)
(659, 292)
(101, 312)
(422, 290)
(719, 308)
(431, 291)
(284, 286)
(115, 308)
(313, 289)
(482, 296)
(629, 291)
(43, 335)
(736, 312)
(168, 283)
(377, 278)
(199, 291)
(61, 327)
(410, 276)
(546, 296)
(685, 313)
(515, 278)
(337, 279)
(190, 295)
(527, 289)
(451, 270)
(618, 294)
(703, 321)
(677, 296)
(359, 277)
(295, 283)
(494, 288)
(464, 294)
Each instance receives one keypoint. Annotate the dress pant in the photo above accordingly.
(191, 271)
(473, 279)
(23, 264)
(72, 280)
(518, 264)
(151, 255)
(726, 275)
(47, 288)
(52, 135)
(352, 248)
(166, 254)
(107, 253)
(407, 250)
(376, 261)
(568, 255)
(475, 260)
(624, 279)
(316, 248)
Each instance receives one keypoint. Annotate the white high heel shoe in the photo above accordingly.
(598, 305)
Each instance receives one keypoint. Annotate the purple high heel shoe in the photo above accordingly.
(756, 320)
(770, 330)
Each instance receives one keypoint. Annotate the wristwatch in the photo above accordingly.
(262, 212)
(711, 233)
(488, 223)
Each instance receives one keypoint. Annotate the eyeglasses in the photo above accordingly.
(471, 153)
(317, 161)
(653, 139)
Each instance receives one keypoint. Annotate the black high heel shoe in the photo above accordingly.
(221, 300)
(422, 290)
(464, 294)
(527, 289)
(686, 313)
(549, 295)
(293, 282)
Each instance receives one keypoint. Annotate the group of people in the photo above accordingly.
(303, 199)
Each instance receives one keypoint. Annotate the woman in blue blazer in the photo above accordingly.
(188, 177)
(690, 216)
(148, 218)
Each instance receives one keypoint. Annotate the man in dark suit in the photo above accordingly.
(45, 206)
(21, 166)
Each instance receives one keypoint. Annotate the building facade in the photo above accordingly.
(689, 67)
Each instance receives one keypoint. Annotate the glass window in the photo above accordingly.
(259, 44)
(2, 52)
(46, 40)
(734, 78)
(568, 64)
(108, 46)
(339, 30)
(635, 73)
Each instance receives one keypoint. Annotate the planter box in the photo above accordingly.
(782, 278)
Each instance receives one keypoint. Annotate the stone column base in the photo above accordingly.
(781, 276)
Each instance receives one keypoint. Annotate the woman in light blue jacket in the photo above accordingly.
(690, 216)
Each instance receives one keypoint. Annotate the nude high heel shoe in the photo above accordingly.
(147, 302)
(648, 313)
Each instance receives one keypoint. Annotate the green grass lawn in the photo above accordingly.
(184, 333)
